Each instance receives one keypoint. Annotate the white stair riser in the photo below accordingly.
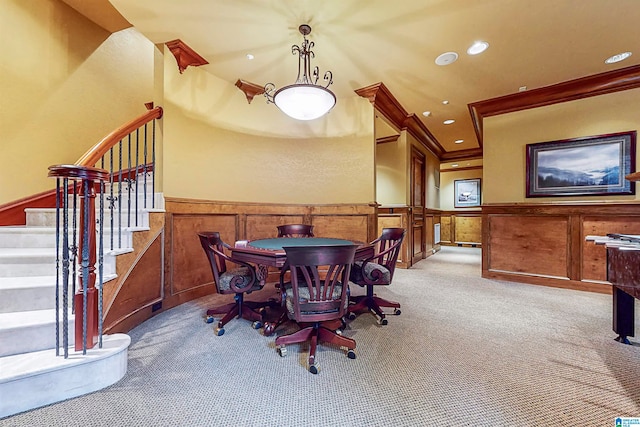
(21, 237)
(26, 299)
(38, 266)
(34, 337)
(47, 218)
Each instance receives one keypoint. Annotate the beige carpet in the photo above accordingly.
(465, 351)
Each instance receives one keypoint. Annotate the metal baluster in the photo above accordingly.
(145, 166)
(85, 262)
(100, 263)
(74, 242)
(57, 266)
(129, 182)
(137, 170)
(153, 162)
(111, 193)
(120, 195)
(65, 267)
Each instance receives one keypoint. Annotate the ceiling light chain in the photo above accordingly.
(305, 99)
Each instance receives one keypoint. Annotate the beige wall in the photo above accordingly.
(217, 146)
(447, 187)
(506, 136)
(65, 84)
(392, 179)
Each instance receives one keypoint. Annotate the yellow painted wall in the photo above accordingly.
(506, 136)
(65, 84)
(447, 187)
(392, 179)
(217, 146)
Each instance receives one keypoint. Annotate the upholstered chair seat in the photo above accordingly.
(317, 297)
(238, 278)
(376, 270)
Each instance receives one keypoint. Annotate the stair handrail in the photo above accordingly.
(91, 157)
(87, 303)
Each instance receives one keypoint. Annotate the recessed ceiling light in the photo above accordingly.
(445, 102)
(249, 56)
(522, 88)
(477, 47)
(448, 122)
(617, 58)
(426, 113)
(459, 141)
(454, 165)
(447, 58)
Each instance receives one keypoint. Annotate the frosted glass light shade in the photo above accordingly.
(304, 101)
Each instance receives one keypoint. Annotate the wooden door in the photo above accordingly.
(416, 235)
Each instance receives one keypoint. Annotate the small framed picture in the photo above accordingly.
(467, 193)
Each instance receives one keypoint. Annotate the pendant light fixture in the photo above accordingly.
(305, 99)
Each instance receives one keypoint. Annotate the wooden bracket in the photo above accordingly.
(184, 55)
(250, 89)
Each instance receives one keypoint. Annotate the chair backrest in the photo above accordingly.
(214, 247)
(319, 279)
(295, 230)
(388, 246)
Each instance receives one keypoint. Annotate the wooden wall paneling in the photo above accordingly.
(143, 285)
(140, 277)
(350, 227)
(396, 217)
(417, 236)
(534, 245)
(428, 228)
(445, 229)
(468, 229)
(265, 226)
(594, 263)
(396, 220)
(188, 263)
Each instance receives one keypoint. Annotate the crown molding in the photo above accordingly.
(584, 87)
(387, 105)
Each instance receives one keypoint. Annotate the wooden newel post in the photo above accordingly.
(87, 251)
(86, 297)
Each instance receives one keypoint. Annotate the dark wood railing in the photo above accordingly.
(80, 226)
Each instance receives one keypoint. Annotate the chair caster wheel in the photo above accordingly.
(256, 324)
(209, 319)
(351, 354)
(282, 351)
(219, 331)
(351, 316)
(383, 321)
(314, 369)
(397, 311)
(269, 329)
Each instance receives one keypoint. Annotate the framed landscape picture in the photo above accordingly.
(466, 193)
(589, 166)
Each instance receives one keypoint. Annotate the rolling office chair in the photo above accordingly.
(238, 281)
(377, 271)
(295, 230)
(317, 296)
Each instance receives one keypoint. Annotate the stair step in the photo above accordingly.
(27, 293)
(46, 217)
(27, 237)
(27, 262)
(29, 381)
(27, 331)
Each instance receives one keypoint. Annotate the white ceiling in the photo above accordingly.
(533, 43)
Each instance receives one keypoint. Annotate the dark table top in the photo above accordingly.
(269, 252)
